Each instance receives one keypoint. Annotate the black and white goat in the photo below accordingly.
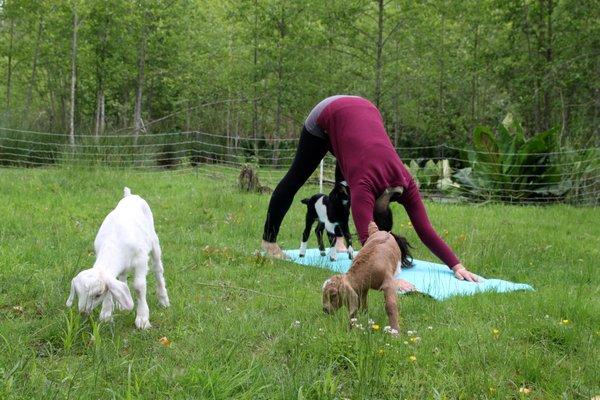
(331, 213)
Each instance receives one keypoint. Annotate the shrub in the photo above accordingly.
(507, 167)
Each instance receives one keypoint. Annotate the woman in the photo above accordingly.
(352, 129)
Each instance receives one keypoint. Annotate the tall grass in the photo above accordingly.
(241, 326)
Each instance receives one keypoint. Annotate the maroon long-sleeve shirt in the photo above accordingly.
(370, 164)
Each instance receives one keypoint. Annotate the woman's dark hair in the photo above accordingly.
(382, 216)
(406, 260)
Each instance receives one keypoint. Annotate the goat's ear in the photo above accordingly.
(373, 228)
(121, 293)
(349, 297)
(71, 294)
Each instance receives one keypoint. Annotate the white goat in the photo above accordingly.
(122, 244)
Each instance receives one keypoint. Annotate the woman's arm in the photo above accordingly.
(362, 202)
(411, 200)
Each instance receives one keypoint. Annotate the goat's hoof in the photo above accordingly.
(106, 317)
(164, 302)
(350, 252)
(323, 253)
(332, 258)
(142, 323)
(301, 255)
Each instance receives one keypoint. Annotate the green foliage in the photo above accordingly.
(434, 69)
(433, 176)
(508, 167)
(582, 174)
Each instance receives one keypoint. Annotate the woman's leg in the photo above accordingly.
(310, 152)
(340, 244)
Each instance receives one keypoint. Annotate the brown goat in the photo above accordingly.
(373, 268)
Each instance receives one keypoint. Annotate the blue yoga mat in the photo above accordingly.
(435, 280)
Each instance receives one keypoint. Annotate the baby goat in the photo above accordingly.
(331, 213)
(122, 244)
(375, 268)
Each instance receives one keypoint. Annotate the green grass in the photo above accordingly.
(231, 320)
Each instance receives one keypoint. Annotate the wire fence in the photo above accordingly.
(443, 172)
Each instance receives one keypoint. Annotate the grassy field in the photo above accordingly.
(244, 327)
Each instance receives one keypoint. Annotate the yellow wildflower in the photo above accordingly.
(375, 327)
(412, 358)
(525, 390)
(164, 341)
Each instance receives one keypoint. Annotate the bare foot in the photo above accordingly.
(273, 250)
(405, 286)
(340, 245)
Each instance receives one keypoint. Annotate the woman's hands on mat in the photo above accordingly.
(461, 273)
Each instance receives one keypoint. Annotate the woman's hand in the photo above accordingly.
(463, 274)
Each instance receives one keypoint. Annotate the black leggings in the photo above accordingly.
(310, 152)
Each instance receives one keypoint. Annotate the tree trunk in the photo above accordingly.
(137, 114)
(548, 53)
(533, 61)
(236, 138)
(36, 55)
(255, 83)
(442, 66)
(379, 53)
(100, 114)
(9, 66)
(73, 79)
(281, 25)
(188, 116)
(474, 79)
(228, 120)
(396, 103)
(228, 123)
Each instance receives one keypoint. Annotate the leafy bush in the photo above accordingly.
(583, 175)
(506, 166)
(435, 175)
(23, 149)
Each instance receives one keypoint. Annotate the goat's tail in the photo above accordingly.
(126, 191)
(305, 201)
